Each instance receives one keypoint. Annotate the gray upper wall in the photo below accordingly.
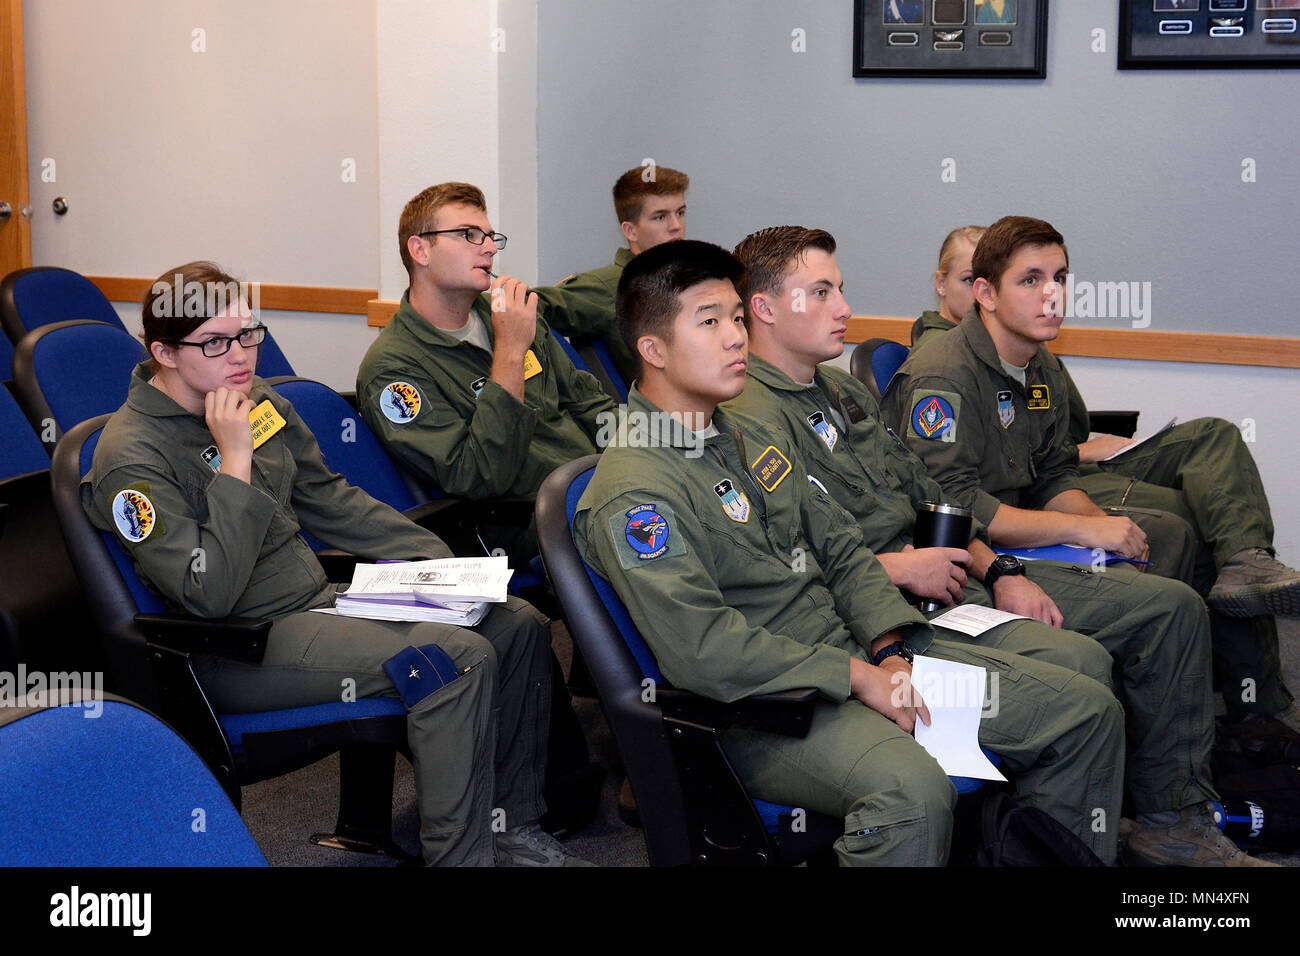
(1141, 171)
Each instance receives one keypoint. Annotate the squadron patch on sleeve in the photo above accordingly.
(824, 429)
(734, 502)
(400, 402)
(770, 468)
(934, 416)
(134, 514)
(644, 533)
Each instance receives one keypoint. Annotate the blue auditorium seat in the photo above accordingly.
(110, 787)
(149, 651)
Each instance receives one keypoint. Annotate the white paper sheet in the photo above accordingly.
(1139, 439)
(437, 581)
(974, 619)
(954, 695)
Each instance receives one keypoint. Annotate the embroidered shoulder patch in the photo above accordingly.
(1040, 398)
(644, 533)
(770, 468)
(934, 416)
(134, 514)
(400, 402)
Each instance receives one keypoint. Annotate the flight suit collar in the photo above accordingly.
(771, 376)
(412, 323)
(668, 431)
(623, 257)
(981, 344)
(154, 402)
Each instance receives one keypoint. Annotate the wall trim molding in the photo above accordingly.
(1144, 344)
(289, 298)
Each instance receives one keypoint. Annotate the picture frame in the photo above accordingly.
(1208, 34)
(950, 38)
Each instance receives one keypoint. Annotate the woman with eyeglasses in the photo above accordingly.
(206, 476)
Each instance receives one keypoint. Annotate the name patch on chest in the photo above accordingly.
(770, 468)
(1040, 398)
(531, 365)
(854, 410)
(265, 422)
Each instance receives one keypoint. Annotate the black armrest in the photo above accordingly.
(517, 510)
(339, 565)
(3, 508)
(1122, 423)
(787, 712)
(238, 638)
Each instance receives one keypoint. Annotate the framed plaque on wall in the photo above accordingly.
(1208, 34)
(959, 38)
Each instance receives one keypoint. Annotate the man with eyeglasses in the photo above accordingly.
(466, 386)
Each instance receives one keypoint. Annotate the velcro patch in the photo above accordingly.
(400, 402)
(644, 533)
(1040, 398)
(934, 416)
(770, 468)
(855, 412)
(134, 514)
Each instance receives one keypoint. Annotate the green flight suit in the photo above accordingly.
(429, 399)
(583, 304)
(1154, 628)
(215, 546)
(1202, 472)
(747, 579)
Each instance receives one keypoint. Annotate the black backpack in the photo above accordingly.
(1026, 836)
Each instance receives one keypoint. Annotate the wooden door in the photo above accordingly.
(16, 231)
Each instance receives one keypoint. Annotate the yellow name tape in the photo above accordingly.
(265, 422)
(531, 365)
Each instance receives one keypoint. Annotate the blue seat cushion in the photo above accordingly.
(120, 789)
(236, 725)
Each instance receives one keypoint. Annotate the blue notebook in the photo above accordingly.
(1067, 553)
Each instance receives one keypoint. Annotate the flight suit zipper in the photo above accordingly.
(749, 480)
(875, 478)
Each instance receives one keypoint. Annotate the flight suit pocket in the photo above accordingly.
(901, 832)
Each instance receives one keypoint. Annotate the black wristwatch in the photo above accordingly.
(1002, 564)
(901, 648)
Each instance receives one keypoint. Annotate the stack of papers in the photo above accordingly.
(447, 590)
